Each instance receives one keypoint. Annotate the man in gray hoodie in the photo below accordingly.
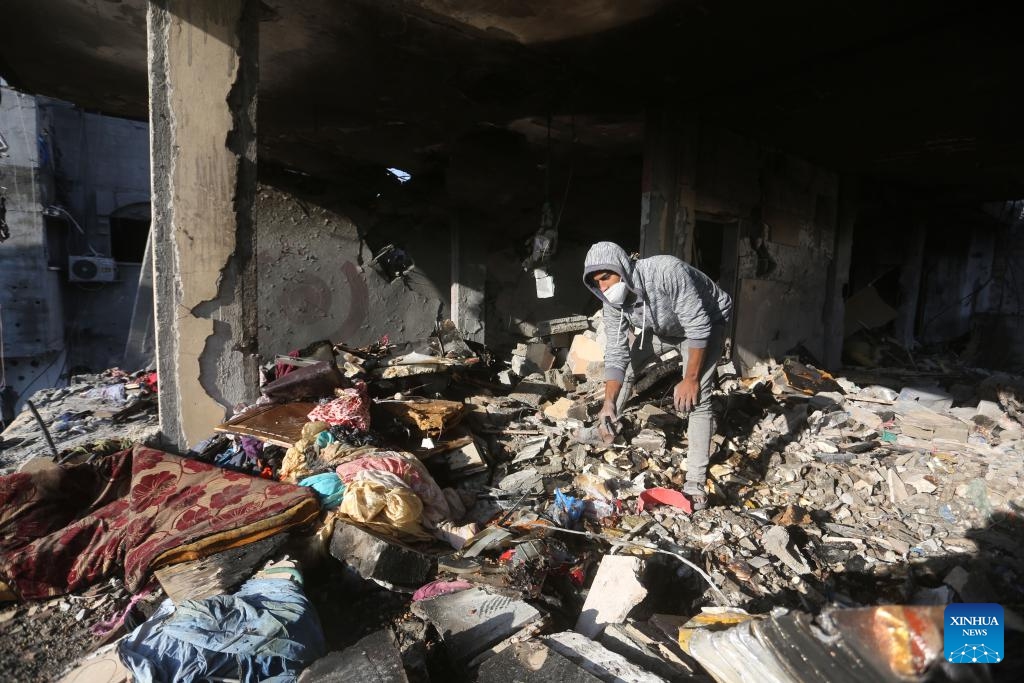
(665, 303)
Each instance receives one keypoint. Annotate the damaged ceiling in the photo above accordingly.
(921, 93)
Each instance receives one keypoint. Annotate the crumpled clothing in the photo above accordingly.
(350, 409)
(354, 437)
(281, 369)
(412, 474)
(294, 465)
(232, 458)
(456, 507)
(112, 392)
(267, 631)
(439, 587)
(149, 381)
(253, 448)
(324, 439)
(328, 487)
(385, 508)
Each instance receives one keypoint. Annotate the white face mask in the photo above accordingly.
(616, 294)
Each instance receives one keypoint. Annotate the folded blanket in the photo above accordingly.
(132, 512)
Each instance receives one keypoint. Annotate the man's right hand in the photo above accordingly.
(605, 418)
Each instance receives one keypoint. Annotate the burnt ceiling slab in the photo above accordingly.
(920, 92)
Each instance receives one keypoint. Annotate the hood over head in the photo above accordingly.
(608, 256)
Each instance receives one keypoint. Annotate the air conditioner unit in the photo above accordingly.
(91, 269)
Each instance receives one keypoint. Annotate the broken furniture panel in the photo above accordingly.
(280, 425)
(425, 418)
(219, 573)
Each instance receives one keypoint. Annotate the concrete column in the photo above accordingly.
(469, 278)
(203, 75)
(669, 198)
(839, 270)
(910, 282)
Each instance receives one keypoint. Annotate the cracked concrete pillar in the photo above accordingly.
(668, 201)
(203, 75)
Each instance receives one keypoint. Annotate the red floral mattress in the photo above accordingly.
(132, 512)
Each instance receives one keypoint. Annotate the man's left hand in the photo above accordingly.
(685, 395)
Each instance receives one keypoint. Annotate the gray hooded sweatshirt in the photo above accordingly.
(667, 296)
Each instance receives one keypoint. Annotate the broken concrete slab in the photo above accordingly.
(559, 410)
(616, 590)
(586, 357)
(473, 620)
(374, 659)
(897, 491)
(378, 559)
(598, 660)
(533, 391)
(776, 542)
(644, 651)
(919, 423)
(649, 440)
(561, 378)
(572, 323)
(650, 415)
(532, 357)
(522, 481)
(531, 661)
(932, 398)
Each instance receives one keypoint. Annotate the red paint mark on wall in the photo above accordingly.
(305, 297)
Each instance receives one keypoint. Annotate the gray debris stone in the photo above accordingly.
(374, 659)
(473, 620)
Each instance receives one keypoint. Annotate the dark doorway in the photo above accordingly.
(129, 230)
(716, 250)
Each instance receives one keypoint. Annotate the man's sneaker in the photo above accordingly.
(698, 497)
(698, 501)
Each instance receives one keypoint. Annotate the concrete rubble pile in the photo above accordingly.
(469, 531)
(112, 403)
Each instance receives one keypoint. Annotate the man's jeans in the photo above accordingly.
(701, 420)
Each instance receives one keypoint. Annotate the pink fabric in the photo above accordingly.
(410, 470)
(103, 628)
(439, 587)
(282, 369)
(395, 464)
(660, 496)
(351, 409)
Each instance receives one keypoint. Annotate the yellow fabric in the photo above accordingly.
(294, 466)
(387, 509)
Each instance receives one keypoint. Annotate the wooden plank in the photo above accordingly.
(217, 574)
(280, 425)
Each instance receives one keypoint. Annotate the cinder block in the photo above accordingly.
(586, 357)
(373, 557)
